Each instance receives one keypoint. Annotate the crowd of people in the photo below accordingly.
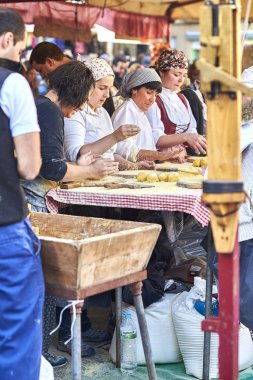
(93, 120)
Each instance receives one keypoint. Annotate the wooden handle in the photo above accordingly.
(70, 185)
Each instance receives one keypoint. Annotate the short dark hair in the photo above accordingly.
(155, 85)
(11, 21)
(118, 59)
(72, 83)
(45, 50)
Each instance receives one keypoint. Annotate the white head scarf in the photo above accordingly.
(99, 68)
(137, 78)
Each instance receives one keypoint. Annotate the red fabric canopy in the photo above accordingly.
(72, 21)
(126, 24)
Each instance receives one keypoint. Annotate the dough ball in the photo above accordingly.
(163, 177)
(196, 162)
(203, 161)
(152, 177)
(142, 177)
(173, 177)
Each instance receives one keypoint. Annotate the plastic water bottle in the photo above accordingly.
(128, 345)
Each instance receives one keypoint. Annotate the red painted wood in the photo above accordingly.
(227, 324)
(229, 314)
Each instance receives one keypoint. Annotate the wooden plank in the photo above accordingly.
(190, 184)
(71, 294)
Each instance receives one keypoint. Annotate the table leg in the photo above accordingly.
(118, 323)
(136, 290)
(76, 344)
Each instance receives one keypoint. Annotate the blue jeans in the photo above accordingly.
(21, 302)
(246, 283)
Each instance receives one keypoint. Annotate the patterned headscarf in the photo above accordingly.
(99, 68)
(172, 59)
(137, 78)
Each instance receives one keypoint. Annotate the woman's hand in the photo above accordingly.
(175, 154)
(103, 168)
(146, 165)
(125, 131)
(85, 159)
(197, 142)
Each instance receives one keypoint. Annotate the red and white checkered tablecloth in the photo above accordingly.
(188, 201)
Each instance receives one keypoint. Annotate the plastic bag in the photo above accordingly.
(161, 330)
(185, 235)
(187, 322)
(46, 370)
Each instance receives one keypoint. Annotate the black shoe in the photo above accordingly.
(92, 335)
(86, 350)
(55, 361)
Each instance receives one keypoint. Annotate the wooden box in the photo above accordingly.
(79, 253)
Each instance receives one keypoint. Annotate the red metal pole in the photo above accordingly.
(227, 324)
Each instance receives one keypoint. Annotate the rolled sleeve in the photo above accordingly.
(154, 118)
(74, 135)
(127, 148)
(20, 109)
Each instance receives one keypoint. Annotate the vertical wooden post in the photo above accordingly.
(223, 192)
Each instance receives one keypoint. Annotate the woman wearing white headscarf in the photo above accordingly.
(91, 129)
(139, 88)
(171, 113)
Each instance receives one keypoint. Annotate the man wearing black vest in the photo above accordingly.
(21, 279)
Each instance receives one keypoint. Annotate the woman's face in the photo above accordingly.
(144, 98)
(173, 79)
(100, 92)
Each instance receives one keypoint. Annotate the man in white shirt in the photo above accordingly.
(21, 278)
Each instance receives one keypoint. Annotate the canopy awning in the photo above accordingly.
(73, 21)
(127, 18)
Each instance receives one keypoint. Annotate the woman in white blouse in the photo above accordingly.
(171, 113)
(140, 89)
(91, 129)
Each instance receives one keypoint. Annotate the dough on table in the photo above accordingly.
(152, 177)
(142, 177)
(173, 177)
(163, 177)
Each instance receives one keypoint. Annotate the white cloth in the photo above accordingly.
(130, 113)
(99, 68)
(246, 211)
(247, 77)
(246, 134)
(19, 105)
(85, 127)
(176, 111)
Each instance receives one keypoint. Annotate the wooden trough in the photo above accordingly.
(80, 253)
